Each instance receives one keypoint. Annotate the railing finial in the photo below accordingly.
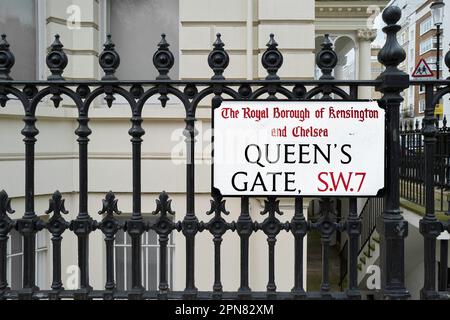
(163, 59)
(56, 60)
(272, 59)
(6, 59)
(392, 54)
(5, 204)
(218, 59)
(56, 204)
(326, 58)
(109, 204)
(109, 59)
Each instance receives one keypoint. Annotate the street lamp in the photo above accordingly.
(437, 11)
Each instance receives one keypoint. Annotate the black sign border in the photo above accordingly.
(216, 103)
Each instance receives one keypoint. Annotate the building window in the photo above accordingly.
(150, 260)
(422, 88)
(426, 45)
(128, 18)
(18, 20)
(14, 260)
(422, 105)
(426, 25)
(431, 61)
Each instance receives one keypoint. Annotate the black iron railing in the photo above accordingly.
(391, 226)
(372, 210)
(412, 163)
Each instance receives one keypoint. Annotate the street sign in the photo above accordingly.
(308, 148)
(422, 70)
(439, 109)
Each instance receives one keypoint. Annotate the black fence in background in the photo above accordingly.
(369, 215)
(412, 164)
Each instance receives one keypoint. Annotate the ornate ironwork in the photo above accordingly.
(326, 59)
(272, 59)
(56, 60)
(109, 226)
(271, 226)
(391, 226)
(217, 226)
(6, 224)
(109, 59)
(6, 59)
(56, 225)
(164, 226)
(218, 59)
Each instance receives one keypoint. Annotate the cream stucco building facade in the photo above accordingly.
(245, 26)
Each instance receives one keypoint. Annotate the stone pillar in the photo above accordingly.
(365, 37)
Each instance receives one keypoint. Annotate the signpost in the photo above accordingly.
(291, 148)
(422, 70)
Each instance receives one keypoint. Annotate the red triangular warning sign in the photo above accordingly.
(422, 70)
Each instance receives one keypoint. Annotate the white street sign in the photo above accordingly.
(309, 148)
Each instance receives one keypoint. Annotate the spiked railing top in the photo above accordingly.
(56, 204)
(56, 60)
(109, 59)
(6, 59)
(326, 58)
(392, 54)
(163, 205)
(218, 59)
(5, 204)
(218, 204)
(163, 59)
(271, 206)
(110, 204)
(272, 59)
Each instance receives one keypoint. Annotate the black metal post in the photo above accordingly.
(443, 266)
(299, 228)
(83, 225)
(353, 231)
(244, 228)
(429, 226)
(190, 221)
(136, 225)
(56, 226)
(391, 225)
(438, 50)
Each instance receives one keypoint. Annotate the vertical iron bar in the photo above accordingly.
(3, 266)
(244, 227)
(163, 283)
(271, 287)
(83, 224)
(354, 232)
(299, 227)
(28, 224)
(136, 226)
(110, 284)
(56, 282)
(217, 287)
(190, 221)
(429, 226)
(443, 266)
